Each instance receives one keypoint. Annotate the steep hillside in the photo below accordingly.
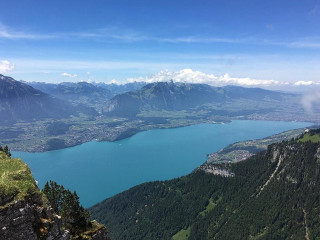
(222, 101)
(272, 195)
(23, 214)
(21, 102)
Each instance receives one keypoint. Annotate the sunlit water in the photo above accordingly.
(97, 170)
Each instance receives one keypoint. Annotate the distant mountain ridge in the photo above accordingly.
(183, 96)
(121, 88)
(85, 91)
(79, 92)
(84, 111)
(21, 102)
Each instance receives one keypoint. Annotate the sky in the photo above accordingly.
(248, 42)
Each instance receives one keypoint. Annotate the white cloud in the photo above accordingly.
(6, 66)
(69, 75)
(190, 76)
(303, 83)
(113, 81)
(309, 100)
(261, 67)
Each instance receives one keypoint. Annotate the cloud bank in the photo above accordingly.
(6, 66)
(309, 100)
(190, 76)
(69, 75)
(303, 83)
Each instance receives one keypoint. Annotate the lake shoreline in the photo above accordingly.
(98, 170)
(124, 135)
(117, 137)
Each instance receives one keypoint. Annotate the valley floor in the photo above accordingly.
(37, 136)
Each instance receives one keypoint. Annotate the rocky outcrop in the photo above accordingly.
(25, 213)
(216, 169)
(100, 234)
(30, 219)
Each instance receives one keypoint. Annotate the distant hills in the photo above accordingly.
(85, 92)
(94, 95)
(272, 195)
(172, 96)
(116, 89)
(164, 95)
(78, 92)
(87, 111)
(21, 102)
(134, 100)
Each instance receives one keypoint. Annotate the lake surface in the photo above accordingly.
(97, 170)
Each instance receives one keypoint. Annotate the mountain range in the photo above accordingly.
(87, 111)
(112, 100)
(85, 92)
(80, 92)
(170, 96)
(21, 102)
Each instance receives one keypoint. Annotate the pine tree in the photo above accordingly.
(54, 193)
(7, 152)
(74, 217)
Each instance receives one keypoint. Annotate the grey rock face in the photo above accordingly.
(30, 220)
(100, 235)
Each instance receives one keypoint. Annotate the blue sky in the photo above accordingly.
(59, 41)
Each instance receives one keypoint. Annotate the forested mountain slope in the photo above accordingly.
(272, 195)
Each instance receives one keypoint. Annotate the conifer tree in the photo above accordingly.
(54, 193)
(74, 217)
(7, 152)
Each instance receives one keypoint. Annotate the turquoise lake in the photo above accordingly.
(97, 170)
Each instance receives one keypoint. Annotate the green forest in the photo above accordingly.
(74, 217)
(273, 195)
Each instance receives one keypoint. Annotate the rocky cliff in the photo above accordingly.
(25, 212)
(29, 219)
